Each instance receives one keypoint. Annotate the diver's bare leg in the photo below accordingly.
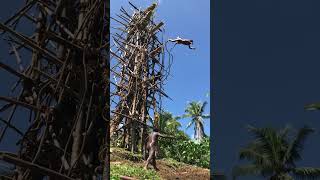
(191, 47)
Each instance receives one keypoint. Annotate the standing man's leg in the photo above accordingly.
(154, 163)
(157, 151)
(151, 155)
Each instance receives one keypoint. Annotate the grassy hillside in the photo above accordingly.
(124, 163)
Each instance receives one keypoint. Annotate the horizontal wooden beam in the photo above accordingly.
(20, 103)
(33, 167)
(31, 43)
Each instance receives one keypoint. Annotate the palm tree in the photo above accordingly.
(274, 154)
(167, 123)
(195, 111)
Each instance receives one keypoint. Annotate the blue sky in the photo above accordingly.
(7, 80)
(190, 80)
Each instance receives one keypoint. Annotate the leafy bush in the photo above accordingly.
(187, 151)
(132, 171)
(181, 148)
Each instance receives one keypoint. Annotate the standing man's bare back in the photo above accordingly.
(152, 147)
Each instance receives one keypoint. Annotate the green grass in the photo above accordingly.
(119, 153)
(132, 171)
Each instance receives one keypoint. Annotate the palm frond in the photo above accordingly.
(261, 134)
(285, 131)
(189, 124)
(173, 123)
(294, 149)
(312, 107)
(193, 108)
(203, 106)
(270, 142)
(306, 172)
(273, 154)
(251, 154)
(206, 116)
(186, 116)
(245, 170)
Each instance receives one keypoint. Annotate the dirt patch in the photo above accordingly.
(182, 172)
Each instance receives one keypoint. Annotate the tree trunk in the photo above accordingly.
(133, 137)
(76, 140)
(127, 137)
(77, 136)
(199, 130)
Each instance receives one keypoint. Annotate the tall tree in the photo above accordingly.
(195, 111)
(167, 123)
(273, 154)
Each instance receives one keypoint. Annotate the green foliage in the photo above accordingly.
(274, 153)
(181, 148)
(168, 124)
(187, 151)
(195, 111)
(132, 171)
(313, 106)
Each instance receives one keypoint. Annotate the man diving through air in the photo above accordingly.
(187, 42)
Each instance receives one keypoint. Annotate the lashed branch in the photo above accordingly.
(33, 167)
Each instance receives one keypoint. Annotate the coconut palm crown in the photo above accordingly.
(273, 154)
(195, 111)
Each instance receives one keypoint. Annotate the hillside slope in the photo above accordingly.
(131, 165)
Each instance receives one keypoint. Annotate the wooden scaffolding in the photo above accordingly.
(138, 71)
(57, 112)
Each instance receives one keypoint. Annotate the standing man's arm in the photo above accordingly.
(165, 136)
